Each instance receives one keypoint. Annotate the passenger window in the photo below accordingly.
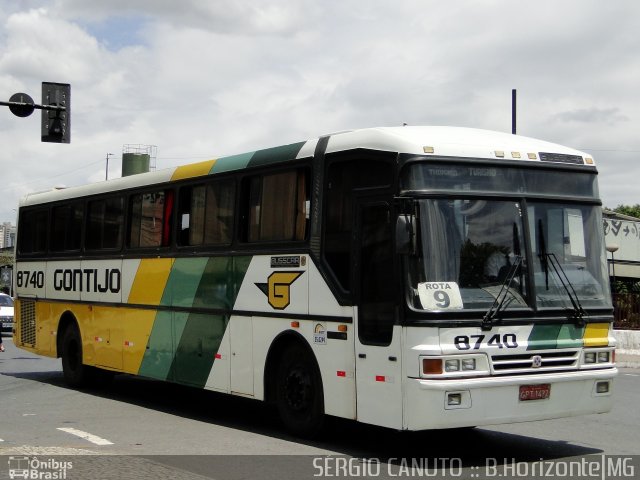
(66, 227)
(206, 214)
(34, 226)
(278, 207)
(105, 220)
(150, 219)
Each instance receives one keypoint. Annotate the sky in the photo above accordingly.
(203, 79)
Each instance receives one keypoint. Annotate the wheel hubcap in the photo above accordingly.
(297, 389)
(73, 355)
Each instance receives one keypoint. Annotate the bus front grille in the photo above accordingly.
(535, 362)
(28, 323)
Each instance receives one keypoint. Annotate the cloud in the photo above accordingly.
(204, 79)
(37, 43)
(248, 17)
(609, 116)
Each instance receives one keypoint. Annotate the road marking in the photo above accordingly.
(631, 374)
(50, 451)
(87, 436)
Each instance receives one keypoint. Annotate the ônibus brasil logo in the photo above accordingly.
(26, 467)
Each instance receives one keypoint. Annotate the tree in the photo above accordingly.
(631, 210)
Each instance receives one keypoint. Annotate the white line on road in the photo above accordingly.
(631, 375)
(87, 436)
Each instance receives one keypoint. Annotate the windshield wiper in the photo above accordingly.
(578, 311)
(550, 258)
(543, 254)
(500, 303)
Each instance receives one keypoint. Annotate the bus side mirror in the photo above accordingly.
(406, 235)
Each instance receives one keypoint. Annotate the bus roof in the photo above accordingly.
(449, 141)
(436, 141)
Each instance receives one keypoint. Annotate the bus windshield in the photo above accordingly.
(471, 249)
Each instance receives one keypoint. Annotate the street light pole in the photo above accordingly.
(513, 111)
(613, 248)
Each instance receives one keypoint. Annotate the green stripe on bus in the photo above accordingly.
(182, 345)
(220, 282)
(232, 162)
(158, 358)
(543, 337)
(276, 154)
(183, 281)
(570, 336)
(199, 342)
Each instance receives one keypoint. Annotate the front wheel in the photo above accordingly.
(299, 395)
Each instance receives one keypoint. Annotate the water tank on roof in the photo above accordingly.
(138, 159)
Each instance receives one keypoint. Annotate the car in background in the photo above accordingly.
(6, 313)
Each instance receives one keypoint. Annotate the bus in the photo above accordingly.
(407, 277)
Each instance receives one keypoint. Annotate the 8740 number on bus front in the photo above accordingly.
(476, 342)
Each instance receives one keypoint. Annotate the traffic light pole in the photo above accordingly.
(23, 106)
(56, 114)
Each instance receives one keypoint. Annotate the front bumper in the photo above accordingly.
(496, 400)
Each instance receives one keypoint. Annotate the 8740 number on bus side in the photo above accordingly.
(26, 279)
(475, 342)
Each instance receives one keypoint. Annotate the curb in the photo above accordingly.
(625, 360)
(627, 348)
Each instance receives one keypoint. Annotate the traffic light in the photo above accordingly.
(56, 119)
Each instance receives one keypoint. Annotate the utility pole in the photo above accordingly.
(106, 173)
(56, 110)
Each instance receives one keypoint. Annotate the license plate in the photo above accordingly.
(534, 392)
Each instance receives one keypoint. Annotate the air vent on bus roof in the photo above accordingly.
(561, 158)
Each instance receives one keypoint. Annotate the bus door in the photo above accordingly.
(378, 358)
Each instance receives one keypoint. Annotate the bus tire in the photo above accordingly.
(299, 395)
(74, 371)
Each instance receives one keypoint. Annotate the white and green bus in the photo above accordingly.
(412, 277)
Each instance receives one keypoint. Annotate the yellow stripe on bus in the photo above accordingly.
(193, 170)
(151, 279)
(596, 335)
(139, 325)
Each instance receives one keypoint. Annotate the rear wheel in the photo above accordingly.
(75, 372)
(299, 395)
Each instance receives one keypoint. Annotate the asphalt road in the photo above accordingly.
(140, 428)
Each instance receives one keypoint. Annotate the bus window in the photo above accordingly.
(277, 207)
(33, 231)
(343, 178)
(377, 294)
(206, 214)
(150, 219)
(105, 219)
(66, 227)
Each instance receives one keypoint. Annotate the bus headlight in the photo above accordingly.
(454, 366)
(598, 357)
(469, 364)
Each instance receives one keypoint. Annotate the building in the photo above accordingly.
(622, 239)
(7, 235)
